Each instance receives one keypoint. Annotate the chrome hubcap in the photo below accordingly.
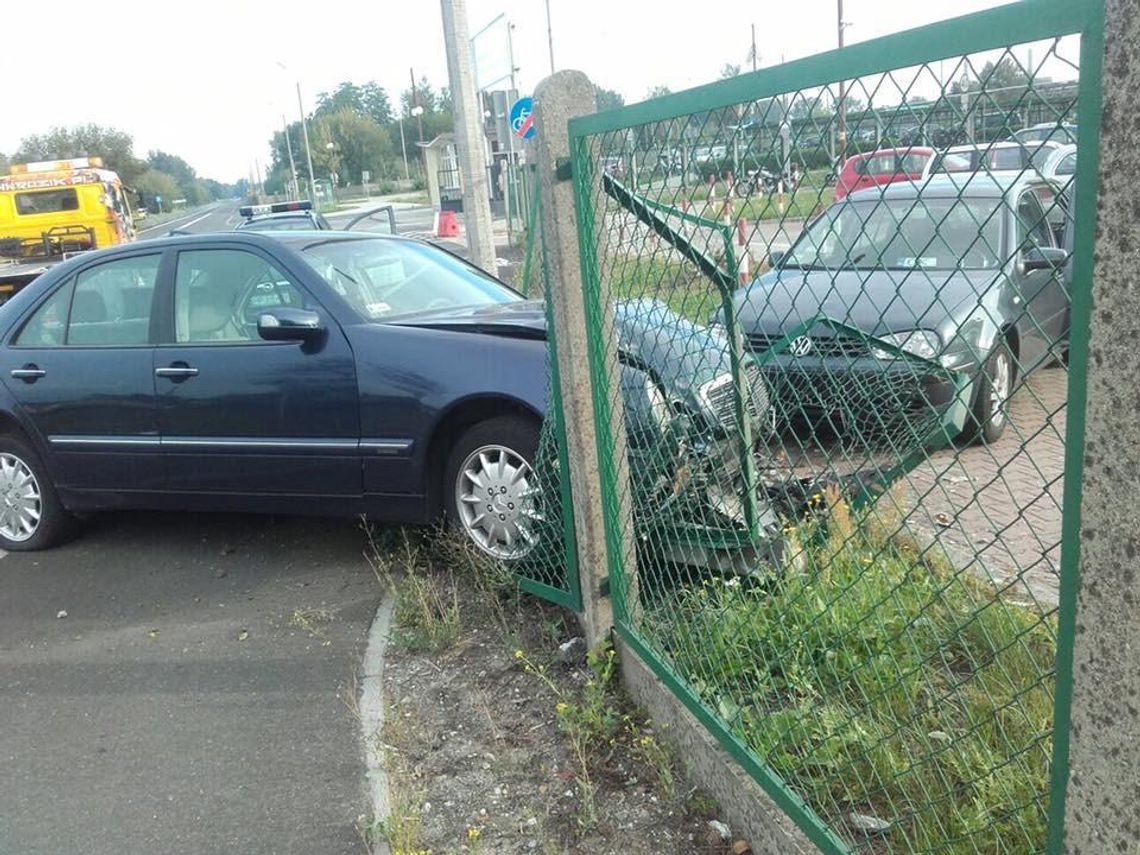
(999, 388)
(20, 500)
(495, 493)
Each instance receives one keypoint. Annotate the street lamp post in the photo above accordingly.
(294, 189)
(308, 150)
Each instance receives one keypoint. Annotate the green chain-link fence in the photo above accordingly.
(841, 385)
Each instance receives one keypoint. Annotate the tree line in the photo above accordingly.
(355, 129)
(160, 178)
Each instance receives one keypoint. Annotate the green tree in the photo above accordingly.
(425, 95)
(191, 187)
(607, 99)
(729, 70)
(357, 144)
(3, 164)
(658, 91)
(114, 146)
(376, 104)
(154, 185)
(1002, 74)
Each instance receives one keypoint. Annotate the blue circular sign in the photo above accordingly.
(522, 118)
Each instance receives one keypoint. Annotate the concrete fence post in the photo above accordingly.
(557, 99)
(1104, 748)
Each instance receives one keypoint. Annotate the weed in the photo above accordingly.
(427, 614)
(309, 620)
(596, 724)
(877, 680)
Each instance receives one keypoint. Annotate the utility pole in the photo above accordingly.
(404, 149)
(294, 189)
(755, 55)
(841, 133)
(549, 37)
(308, 150)
(468, 135)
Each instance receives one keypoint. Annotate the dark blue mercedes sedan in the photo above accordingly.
(316, 373)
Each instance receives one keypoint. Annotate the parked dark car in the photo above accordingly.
(322, 373)
(962, 281)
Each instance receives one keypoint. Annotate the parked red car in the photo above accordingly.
(884, 166)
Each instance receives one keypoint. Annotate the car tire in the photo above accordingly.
(27, 492)
(497, 456)
(989, 414)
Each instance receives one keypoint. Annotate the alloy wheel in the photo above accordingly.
(495, 496)
(21, 503)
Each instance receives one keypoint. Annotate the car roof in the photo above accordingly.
(974, 185)
(902, 149)
(282, 215)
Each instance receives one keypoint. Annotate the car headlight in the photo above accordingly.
(919, 342)
(658, 406)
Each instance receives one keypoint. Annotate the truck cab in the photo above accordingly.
(50, 210)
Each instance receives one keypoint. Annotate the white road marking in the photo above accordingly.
(170, 224)
(372, 713)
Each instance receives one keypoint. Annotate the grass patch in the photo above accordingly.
(877, 681)
(678, 284)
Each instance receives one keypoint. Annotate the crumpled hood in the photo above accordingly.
(875, 301)
(681, 354)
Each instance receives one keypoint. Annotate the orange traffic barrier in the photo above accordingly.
(447, 225)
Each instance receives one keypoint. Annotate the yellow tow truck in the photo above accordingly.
(50, 210)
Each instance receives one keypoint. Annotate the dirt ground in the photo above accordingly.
(478, 742)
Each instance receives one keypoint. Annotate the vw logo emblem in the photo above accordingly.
(800, 346)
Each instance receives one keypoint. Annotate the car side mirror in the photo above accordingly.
(776, 256)
(1043, 258)
(286, 324)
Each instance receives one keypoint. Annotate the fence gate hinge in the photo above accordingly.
(563, 171)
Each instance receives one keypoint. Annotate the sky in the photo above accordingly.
(213, 81)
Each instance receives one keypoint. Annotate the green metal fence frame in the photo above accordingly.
(994, 29)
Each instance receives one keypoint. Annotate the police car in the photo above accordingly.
(282, 216)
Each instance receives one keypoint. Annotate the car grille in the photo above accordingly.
(847, 347)
(881, 405)
(719, 396)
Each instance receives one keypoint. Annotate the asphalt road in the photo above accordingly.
(223, 216)
(195, 694)
(193, 698)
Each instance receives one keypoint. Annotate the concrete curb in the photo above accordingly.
(372, 714)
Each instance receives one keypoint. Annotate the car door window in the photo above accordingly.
(111, 303)
(219, 293)
(47, 327)
(1033, 229)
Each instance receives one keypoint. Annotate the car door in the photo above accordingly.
(380, 220)
(1042, 292)
(241, 415)
(81, 368)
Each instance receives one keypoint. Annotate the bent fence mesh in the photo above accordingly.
(829, 319)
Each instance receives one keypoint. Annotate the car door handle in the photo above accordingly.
(29, 373)
(176, 372)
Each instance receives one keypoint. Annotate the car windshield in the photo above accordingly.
(905, 233)
(388, 279)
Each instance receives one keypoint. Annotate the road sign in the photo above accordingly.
(366, 176)
(522, 118)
